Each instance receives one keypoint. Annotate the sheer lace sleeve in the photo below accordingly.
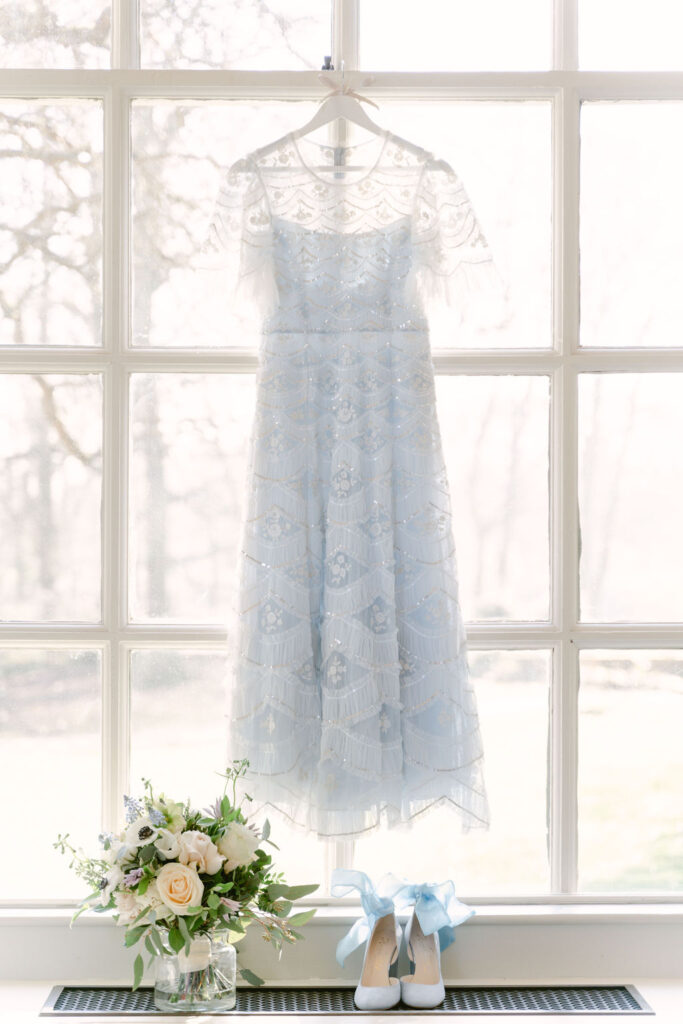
(239, 237)
(453, 261)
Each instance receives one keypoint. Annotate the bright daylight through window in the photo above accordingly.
(127, 389)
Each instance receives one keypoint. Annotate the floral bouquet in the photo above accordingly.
(175, 875)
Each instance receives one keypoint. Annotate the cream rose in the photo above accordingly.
(238, 846)
(197, 848)
(180, 887)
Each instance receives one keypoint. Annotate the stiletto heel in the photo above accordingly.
(377, 989)
(423, 987)
(431, 929)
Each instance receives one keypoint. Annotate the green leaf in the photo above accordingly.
(251, 978)
(145, 910)
(213, 900)
(300, 919)
(157, 942)
(143, 885)
(282, 908)
(175, 939)
(290, 892)
(265, 831)
(185, 932)
(223, 887)
(225, 807)
(149, 946)
(134, 935)
(146, 853)
(138, 969)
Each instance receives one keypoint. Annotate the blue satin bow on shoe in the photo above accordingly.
(374, 905)
(376, 989)
(436, 906)
(436, 914)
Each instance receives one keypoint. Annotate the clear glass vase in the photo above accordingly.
(200, 981)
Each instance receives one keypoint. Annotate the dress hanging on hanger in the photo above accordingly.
(350, 693)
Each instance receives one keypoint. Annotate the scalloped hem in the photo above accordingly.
(400, 814)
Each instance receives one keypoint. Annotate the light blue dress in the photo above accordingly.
(349, 683)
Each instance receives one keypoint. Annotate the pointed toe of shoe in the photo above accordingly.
(423, 997)
(377, 997)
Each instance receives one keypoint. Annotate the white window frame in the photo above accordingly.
(565, 88)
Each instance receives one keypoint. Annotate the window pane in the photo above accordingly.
(502, 153)
(49, 766)
(631, 771)
(495, 437)
(631, 496)
(51, 223)
(512, 689)
(281, 34)
(182, 748)
(630, 35)
(50, 496)
(489, 35)
(188, 466)
(631, 204)
(180, 154)
(71, 34)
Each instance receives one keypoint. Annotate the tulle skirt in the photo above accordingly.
(349, 686)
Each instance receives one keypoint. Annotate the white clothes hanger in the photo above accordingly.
(344, 103)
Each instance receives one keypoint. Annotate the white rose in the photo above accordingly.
(152, 898)
(127, 907)
(141, 832)
(197, 848)
(167, 844)
(238, 846)
(180, 887)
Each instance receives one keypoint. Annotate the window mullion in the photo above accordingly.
(564, 686)
(345, 37)
(115, 725)
(125, 44)
(564, 479)
(566, 35)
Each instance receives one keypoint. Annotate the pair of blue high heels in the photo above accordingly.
(436, 912)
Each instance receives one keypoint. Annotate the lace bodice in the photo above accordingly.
(321, 248)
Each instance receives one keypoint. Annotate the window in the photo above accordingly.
(126, 393)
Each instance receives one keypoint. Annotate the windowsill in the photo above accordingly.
(486, 914)
(532, 942)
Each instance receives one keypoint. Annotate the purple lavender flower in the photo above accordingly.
(133, 877)
(214, 811)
